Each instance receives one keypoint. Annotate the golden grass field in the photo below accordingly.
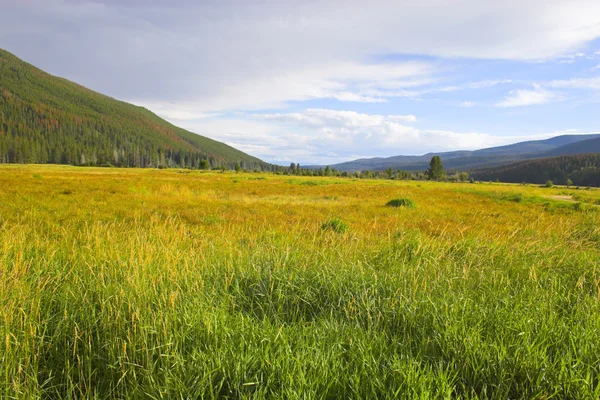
(141, 283)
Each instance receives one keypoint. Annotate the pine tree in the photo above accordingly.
(436, 169)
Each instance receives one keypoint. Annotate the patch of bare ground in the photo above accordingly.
(564, 198)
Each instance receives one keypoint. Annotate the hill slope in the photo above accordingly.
(582, 169)
(493, 156)
(584, 146)
(45, 119)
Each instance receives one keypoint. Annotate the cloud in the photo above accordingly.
(487, 84)
(403, 118)
(237, 55)
(518, 98)
(467, 104)
(542, 95)
(577, 83)
(325, 136)
(343, 81)
(572, 58)
(318, 118)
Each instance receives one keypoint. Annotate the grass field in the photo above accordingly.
(130, 283)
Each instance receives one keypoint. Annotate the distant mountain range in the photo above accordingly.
(484, 158)
(46, 119)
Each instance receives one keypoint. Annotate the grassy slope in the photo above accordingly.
(37, 88)
(159, 284)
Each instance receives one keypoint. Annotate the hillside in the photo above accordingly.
(581, 169)
(584, 146)
(46, 119)
(493, 156)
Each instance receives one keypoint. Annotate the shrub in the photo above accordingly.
(549, 184)
(204, 164)
(336, 225)
(408, 203)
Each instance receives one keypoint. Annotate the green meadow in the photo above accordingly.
(178, 284)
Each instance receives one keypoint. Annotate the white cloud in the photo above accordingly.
(487, 84)
(350, 82)
(325, 118)
(238, 55)
(572, 58)
(402, 118)
(577, 83)
(467, 104)
(325, 136)
(517, 98)
(541, 95)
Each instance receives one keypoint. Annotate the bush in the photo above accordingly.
(204, 164)
(336, 225)
(549, 184)
(408, 203)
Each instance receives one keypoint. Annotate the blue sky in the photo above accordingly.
(329, 81)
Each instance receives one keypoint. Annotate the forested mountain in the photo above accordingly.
(493, 156)
(45, 119)
(584, 146)
(581, 169)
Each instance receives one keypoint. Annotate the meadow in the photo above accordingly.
(164, 284)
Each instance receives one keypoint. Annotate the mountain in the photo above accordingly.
(559, 145)
(584, 146)
(46, 119)
(581, 169)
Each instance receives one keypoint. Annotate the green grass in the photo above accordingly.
(192, 286)
(408, 203)
(335, 225)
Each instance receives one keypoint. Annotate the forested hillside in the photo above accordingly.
(581, 169)
(45, 119)
(584, 146)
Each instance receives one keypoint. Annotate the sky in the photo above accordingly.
(322, 82)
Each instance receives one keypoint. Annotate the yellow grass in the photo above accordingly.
(175, 283)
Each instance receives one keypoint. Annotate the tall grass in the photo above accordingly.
(138, 297)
